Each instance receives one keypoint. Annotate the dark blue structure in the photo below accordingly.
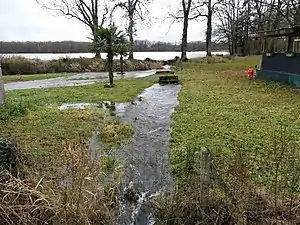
(281, 67)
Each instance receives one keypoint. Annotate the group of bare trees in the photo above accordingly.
(84, 47)
(97, 13)
(234, 20)
(238, 19)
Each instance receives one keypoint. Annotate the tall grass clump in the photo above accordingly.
(114, 133)
(13, 109)
(81, 195)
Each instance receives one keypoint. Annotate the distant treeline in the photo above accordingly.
(84, 47)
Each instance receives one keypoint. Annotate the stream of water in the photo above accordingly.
(79, 79)
(146, 155)
(147, 158)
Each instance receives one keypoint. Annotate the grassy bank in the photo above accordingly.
(29, 77)
(252, 130)
(72, 187)
(20, 65)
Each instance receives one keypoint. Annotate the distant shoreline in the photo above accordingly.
(61, 53)
(159, 56)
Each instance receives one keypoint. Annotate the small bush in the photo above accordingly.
(10, 159)
(21, 65)
(12, 109)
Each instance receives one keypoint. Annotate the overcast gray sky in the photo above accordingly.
(25, 20)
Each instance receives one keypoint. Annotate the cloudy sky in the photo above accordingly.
(25, 20)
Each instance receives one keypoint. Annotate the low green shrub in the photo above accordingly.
(21, 65)
(13, 109)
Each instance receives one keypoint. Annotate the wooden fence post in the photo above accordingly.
(205, 176)
(2, 91)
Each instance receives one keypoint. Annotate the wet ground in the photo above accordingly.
(146, 155)
(78, 79)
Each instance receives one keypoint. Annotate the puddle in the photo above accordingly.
(47, 83)
(76, 106)
(115, 109)
(147, 154)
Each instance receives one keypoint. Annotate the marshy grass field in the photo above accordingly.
(251, 128)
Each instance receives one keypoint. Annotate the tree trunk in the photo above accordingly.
(209, 29)
(122, 64)
(110, 59)
(2, 90)
(97, 53)
(130, 33)
(184, 38)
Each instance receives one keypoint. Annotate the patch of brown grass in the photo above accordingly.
(80, 196)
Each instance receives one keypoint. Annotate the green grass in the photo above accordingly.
(221, 109)
(16, 78)
(42, 131)
(124, 91)
(251, 128)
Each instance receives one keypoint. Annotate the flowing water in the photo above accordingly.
(79, 79)
(147, 154)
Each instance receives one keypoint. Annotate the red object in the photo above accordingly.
(250, 73)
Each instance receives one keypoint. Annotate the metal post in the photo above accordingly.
(2, 91)
(264, 45)
(289, 44)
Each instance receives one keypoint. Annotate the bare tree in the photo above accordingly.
(134, 10)
(287, 10)
(206, 8)
(184, 14)
(85, 11)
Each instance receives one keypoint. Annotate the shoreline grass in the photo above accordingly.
(21, 65)
(30, 77)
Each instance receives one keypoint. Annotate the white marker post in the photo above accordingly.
(2, 91)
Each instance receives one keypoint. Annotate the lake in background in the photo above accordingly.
(137, 55)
